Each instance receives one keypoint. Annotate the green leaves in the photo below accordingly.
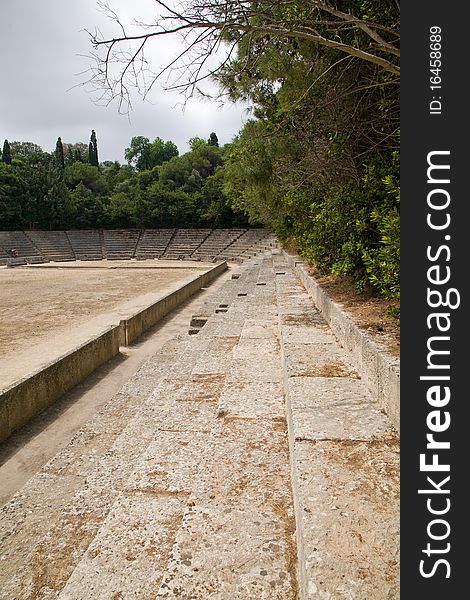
(144, 155)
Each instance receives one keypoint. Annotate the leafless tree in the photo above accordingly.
(206, 26)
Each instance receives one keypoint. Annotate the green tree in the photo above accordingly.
(145, 155)
(89, 175)
(119, 210)
(87, 210)
(365, 31)
(12, 197)
(115, 173)
(213, 140)
(59, 154)
(6, 153)
(93, 150)
(77, 152)
(47, 202)
(171, 208)
(24, 150)
(213, 207)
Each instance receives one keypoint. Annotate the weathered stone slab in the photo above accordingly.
(222, 344)
(108, 468)
(260, 329)
(334, 408)
(252, 400)
(44, 548)
(212, 363)
(237, 541)
(262, 370)
(291, 315)
(316, 360)
(228, 329)
(187, 416)
(170, 464)
(349, 518)
(256, 348)
(231, 553)
(205, 387)
(128, 556)
(353, 421)
(328, 391)
(294, 296)
(302, 334)
(22, 525)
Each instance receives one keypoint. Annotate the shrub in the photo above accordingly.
(356, 230)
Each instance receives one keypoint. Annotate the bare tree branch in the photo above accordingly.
(208, 25)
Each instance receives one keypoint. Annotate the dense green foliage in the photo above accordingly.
(143, 154)
(62, 190)
(319, 161)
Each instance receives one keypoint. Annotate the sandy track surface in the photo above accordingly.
(49, 309)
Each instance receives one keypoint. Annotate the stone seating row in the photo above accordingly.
(216, 243)
(237, 244)
(86, 244)
(153, 243)
(185, 242)
(120, 244)
(247, 461)
(16, 246)
(52, 245)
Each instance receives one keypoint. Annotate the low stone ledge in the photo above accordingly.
(132, 327)
(28, 397)
(379, 370)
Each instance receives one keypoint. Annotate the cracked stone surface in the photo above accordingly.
(345, 464)
(245, 461)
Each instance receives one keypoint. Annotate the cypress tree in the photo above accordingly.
(93, 149)
(59, 154)
(91, 158)
(6, 153)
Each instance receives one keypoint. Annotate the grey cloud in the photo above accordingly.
(38, 100)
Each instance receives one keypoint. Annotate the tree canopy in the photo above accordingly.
(364, 30)
(143, 154)
(62, 190)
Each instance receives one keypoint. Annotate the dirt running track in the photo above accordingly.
(48, 309)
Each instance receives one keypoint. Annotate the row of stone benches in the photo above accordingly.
(19, 247)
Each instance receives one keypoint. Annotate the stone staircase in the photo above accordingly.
(246, 461)
(120, 244)
(216, 243)
(185, 242)
(235, 245)
(25, 250)
(153, 243)
(86, 244)
(53, 245)
(248, 245)
(345, 459)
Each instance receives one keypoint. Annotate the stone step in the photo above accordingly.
(345, 461)
(248, 461)
(50, 523)
(187, 480)
(236, 540)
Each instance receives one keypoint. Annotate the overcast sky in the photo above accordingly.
(43, 43)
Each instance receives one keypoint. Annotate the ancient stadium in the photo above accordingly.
(185, 414)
